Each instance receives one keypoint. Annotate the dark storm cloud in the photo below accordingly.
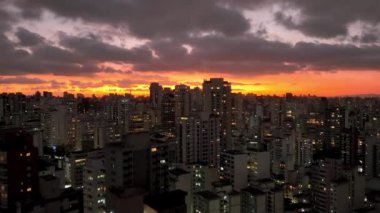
(246, 54)
(21, 80)
(80, 56)
(369, 35)
(6, 18)
(191, 35)
(253, 55)
(146, 18)
(95, 49)
(27, 38)
(326, 18)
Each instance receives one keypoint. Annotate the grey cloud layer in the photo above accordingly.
(326, 18)
(216, 31)
(147, 18)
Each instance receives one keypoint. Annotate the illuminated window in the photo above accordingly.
(154, 149)
(29, 189)
(28, 154)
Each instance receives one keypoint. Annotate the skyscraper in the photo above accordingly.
(217, 101)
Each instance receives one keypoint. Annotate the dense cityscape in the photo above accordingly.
(189, 149)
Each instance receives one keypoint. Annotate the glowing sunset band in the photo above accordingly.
(316, 83)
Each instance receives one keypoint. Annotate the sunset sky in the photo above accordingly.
(320, 47)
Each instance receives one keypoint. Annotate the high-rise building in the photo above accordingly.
(140, 161)
(155, 94)
(76, 163)
(192, 179)
(182, 100)
(258, 165)
(253, 200)
(155, 98)
(199, 138)
(168, 111)
(372, 163)
(217, 101)
(94, 185)
(18, 163)
(264, 195)
(336, 188)
(196, 100)
(233, 168)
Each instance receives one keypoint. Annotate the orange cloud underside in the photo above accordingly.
(316, 83)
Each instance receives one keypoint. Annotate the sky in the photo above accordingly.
(324, 47)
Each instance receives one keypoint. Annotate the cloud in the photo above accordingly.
(21, 80)
(247, 54)
(27, 38)
(253, 55)
(326, 18)
(149, 19)
(94, 49)
(74, 56)
(187, 36)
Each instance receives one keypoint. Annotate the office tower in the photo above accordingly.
(192, 179)
(263, 189)
(207, 202)
(258, 165)
(196, 98)
(94, 185)
(323, 173)
(55, 126)
(199, 138)
(233, 168)
(336, 188)
(140, 161)
(217, 101)
(77, 162)
(138, 121)
(283, 153)
(168, 111)
(155, 94)
(18, 163)
(253, 200)
(372, 163)
(339, 196)
(236, 113)
(350, 147)
(304, 152)
(182, 100)
(334, 124)
(221, 199)
(155, 99)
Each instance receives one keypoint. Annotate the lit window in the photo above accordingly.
(28, 154)
(29, 189)
(154, 149)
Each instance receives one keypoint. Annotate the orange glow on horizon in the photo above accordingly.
(299, 83)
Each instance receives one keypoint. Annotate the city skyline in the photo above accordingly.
(189, 150)
(263, 47)
(189, 106)
(236, 87)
